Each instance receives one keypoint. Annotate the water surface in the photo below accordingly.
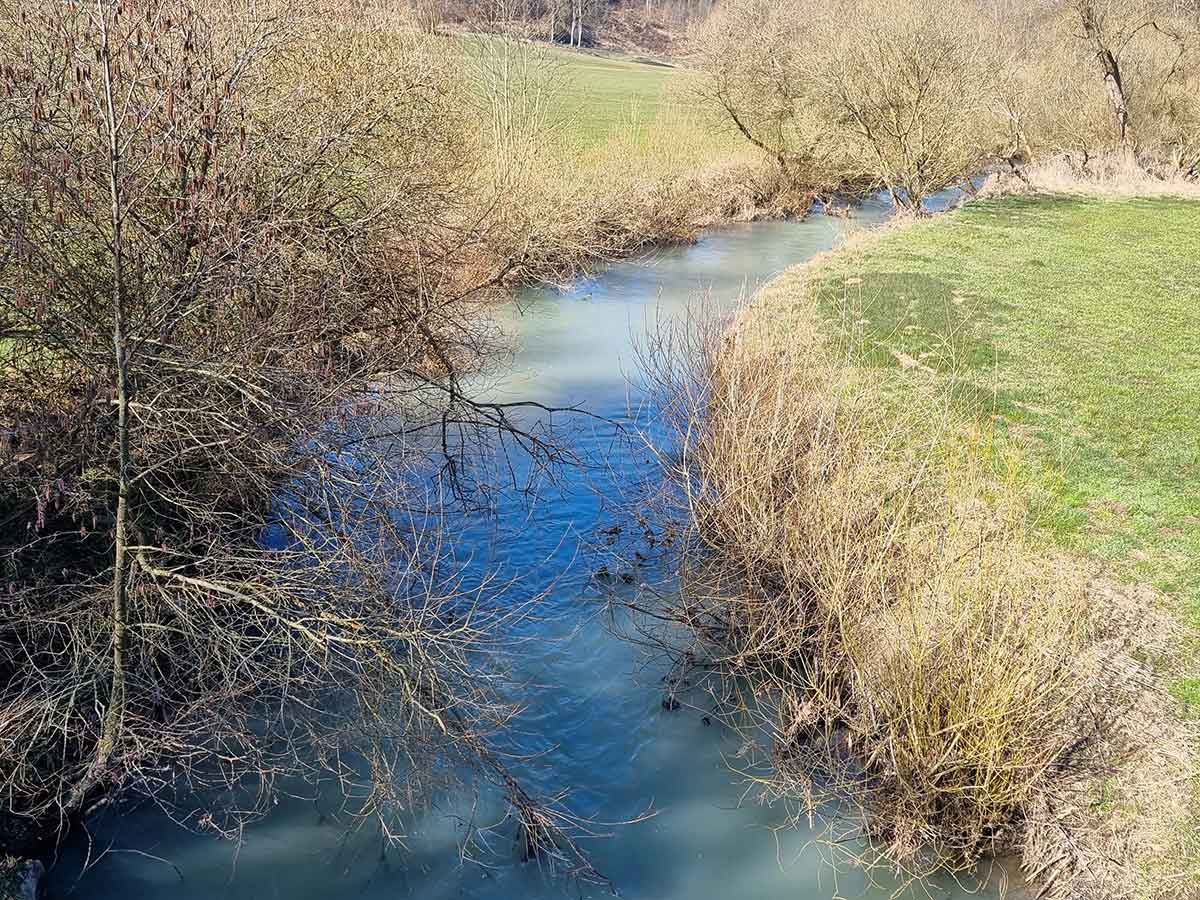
(592, 701)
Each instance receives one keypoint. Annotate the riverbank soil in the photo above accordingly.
(1061, 334)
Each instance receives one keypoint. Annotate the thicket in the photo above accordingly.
(914, 97)
(247, 251)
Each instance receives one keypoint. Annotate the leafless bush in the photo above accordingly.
(864, 589)
(233, 310)
(429, 15)
(906, 87)
(752, 53)
(1092, 79)
(846, 96)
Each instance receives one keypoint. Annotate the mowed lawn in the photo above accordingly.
(1076, 324)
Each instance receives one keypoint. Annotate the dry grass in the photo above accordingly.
(870, 574)
(1107, 175)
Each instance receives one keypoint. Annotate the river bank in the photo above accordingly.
(592, 720)
(951, 467)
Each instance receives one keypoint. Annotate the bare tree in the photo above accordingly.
(888, 94)
(1156, 40)
(232, 318)
(905, 86)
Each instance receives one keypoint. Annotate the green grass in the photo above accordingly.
(602, 94)
(1076, 323)
(597, 94)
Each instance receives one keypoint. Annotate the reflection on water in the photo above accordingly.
(593, 713)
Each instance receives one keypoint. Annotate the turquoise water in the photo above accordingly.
(593, 720)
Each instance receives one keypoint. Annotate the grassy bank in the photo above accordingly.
(583, 158)
(1075, 321)
(951, 470)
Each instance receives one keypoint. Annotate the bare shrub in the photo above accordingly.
(853, 96)
(232, 313)
(861, 578)
(753, 56)
(429, 15)
(905, 86)
(1094, 77)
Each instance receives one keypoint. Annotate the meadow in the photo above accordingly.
(1072, 320)
(602, 93)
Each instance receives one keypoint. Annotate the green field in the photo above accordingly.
(605, 93)
(594, 95)
(1076, 323)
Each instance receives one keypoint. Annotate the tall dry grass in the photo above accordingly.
(866, 581)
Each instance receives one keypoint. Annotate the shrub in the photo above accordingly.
(234, 239)
(863, 580)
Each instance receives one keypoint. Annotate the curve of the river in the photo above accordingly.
(592, 702)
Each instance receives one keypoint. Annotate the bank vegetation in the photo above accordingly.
(248, 252)
(865, 582)
(867, 599)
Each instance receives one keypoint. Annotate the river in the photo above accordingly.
(592, 702)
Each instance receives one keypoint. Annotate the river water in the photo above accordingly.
(592, 701)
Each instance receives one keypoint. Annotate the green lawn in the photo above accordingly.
(1075, 322)
(596, 94)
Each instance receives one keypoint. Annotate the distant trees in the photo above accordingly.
(429, 14)
(913, 96)
(572, 22)
(574, 19)
(890, 93)
(578, 23)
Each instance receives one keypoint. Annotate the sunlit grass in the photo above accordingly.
(1074, 322)
(596, 96)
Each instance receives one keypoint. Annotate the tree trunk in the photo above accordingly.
(1111, 71)
(114, 714)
